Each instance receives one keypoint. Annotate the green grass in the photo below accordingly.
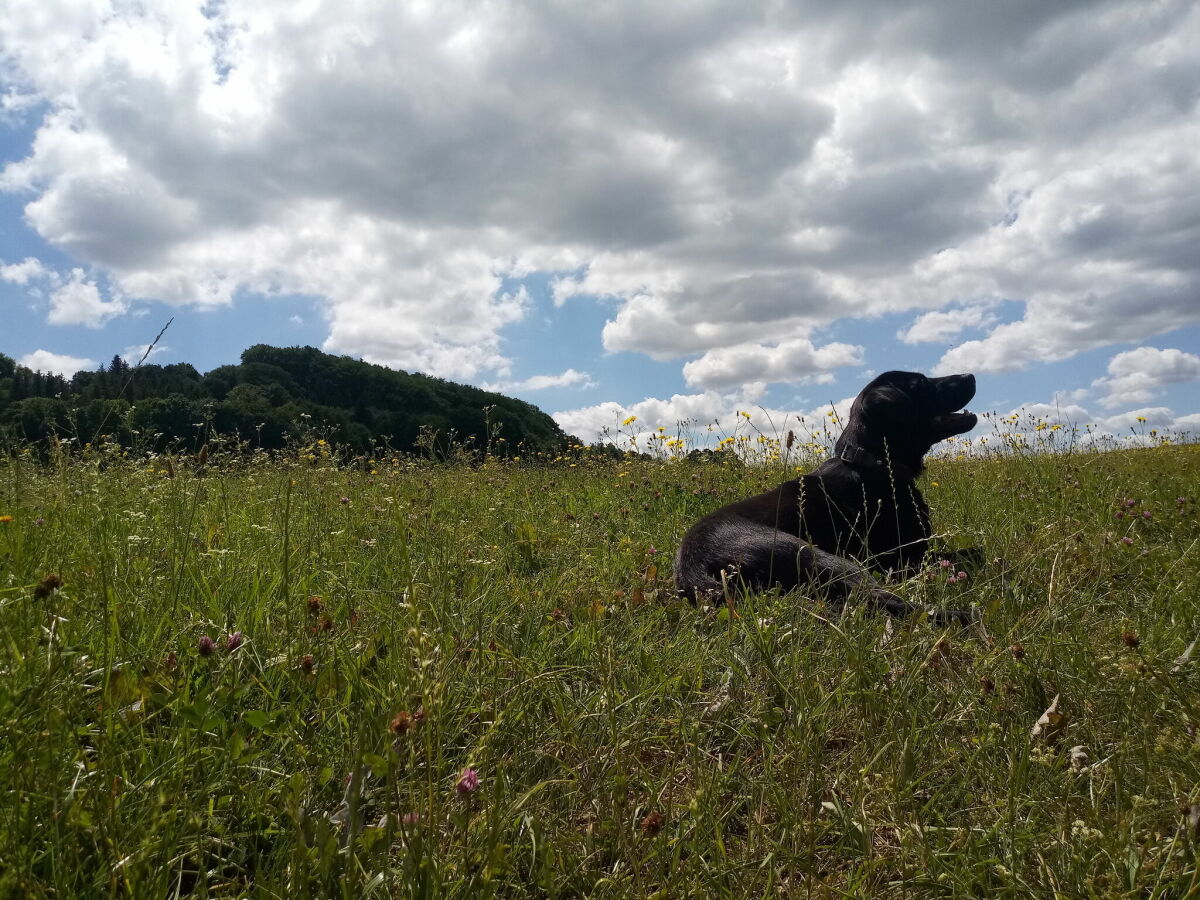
(626, 744)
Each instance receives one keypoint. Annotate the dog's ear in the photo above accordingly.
(887, 403)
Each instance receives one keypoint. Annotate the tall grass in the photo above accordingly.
(268, 676)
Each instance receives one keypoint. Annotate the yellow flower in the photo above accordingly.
(1141, 418)
(935, 484)
(4, 520)
(629, 421)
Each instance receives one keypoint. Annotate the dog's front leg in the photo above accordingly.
(841, 577)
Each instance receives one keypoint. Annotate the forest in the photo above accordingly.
(265, 400)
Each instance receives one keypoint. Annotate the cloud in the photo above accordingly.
(789, 361)
(79, 302)
(1136, 376)
(941, 327)
(1131, 427)
(719, 172)
(702, 418)
(59, 363)
(138, 353)
(23, 273)
(567, 378)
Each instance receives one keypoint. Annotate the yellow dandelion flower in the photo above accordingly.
(629, 421)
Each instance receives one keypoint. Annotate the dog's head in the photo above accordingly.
(906, 413)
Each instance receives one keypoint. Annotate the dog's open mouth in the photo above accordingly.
(956, 422)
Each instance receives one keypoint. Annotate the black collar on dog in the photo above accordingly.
(859, 458)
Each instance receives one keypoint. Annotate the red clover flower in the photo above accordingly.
(468, 782)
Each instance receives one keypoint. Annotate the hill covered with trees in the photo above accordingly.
(266, 398)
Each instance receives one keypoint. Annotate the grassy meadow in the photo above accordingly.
(303, 676)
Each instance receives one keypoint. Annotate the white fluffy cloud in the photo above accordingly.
(79, 301)
(722, 172)
(1136, 376)
(943, 326)
(138, 353)
(570, 378)
(23, 273)
(703, 418)
(1131, 427)
(792, 360)
(58, 363)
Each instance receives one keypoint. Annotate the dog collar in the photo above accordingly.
(854, 455)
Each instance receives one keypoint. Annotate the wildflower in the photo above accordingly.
(1146, 514)
(39, 521)
(952, 580)
(206, 646)
(629, 421)
(306, 663)
(1017, 651)
(1129, 639)
(314, 605)
(1127, 540)
(962, 576)
(411, 818)
(47, 586)
(944, 563)
(233, 641)
(4, 520)
(652, 551)
(468, 782)
(1129, 501)
(343, 500)
(171, 661)
(402, 723)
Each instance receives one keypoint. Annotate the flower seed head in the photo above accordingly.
(47, 586)
(652, 824)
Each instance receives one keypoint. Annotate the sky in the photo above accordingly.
(669, 210)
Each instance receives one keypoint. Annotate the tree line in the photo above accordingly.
(267, 399)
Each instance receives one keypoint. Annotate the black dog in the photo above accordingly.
(857, 510)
